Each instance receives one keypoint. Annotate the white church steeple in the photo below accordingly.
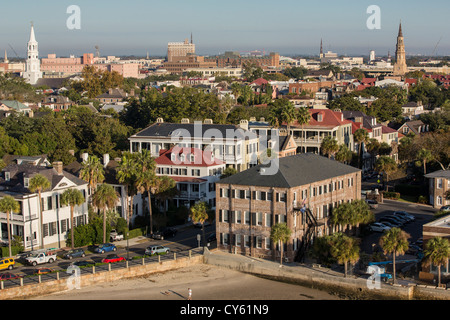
(33, 65)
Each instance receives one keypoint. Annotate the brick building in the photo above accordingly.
(249, 203)
(438, 186)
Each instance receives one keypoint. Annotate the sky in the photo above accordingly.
(289, 27)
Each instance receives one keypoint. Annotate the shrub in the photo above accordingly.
(422, 199)
(391, 195)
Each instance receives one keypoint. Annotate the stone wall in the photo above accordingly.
(96, 278)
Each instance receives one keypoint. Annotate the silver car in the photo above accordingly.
(157, 249)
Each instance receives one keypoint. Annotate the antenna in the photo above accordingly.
(434, 51)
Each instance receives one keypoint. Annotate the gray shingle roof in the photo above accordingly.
(294, 171)
(168, 130)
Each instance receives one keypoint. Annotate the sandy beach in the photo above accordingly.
(207, 283)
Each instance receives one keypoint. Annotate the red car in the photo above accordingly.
(112, 258)
(8, 276)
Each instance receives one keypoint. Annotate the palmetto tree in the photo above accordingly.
(9, 205)
(280, 233)
(437, 252)
(38, 184)
(361, 136)
(72, 197)
(344, 154)
(199, 214)
(167, 189)
(344, 249)
(146, 178)
(126, 174)
(288, 114)
(395, 242)
(329, 146)
(104, 197)
(424, 156)
(92, 171)
(387, 165)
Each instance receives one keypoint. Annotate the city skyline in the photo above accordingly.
(288, 27)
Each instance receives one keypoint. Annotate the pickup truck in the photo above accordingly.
(41, 257)
(115, 236)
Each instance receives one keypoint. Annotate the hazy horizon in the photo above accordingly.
(288, 27)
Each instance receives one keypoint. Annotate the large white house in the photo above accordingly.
(14, 181)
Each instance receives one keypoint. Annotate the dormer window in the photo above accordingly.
(26, 182)
(172, 157)
(319, 117)
(7, 176)
(192, 158)
(182, 157)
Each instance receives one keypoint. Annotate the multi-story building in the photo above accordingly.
(179, 50)
(195, 173)
(234, 59)
(14, 181)
(33, 70)
(235, 145)
(249, 203)
(438, 188)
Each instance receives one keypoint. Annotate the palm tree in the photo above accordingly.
(39, 183)
(92, 172)
(344, 249)
(288, 114)
(343, 215)
(167, 189)
(146, 179)
(303, 117)
(329, 146)
(344, 154)
(437, 252)
(280, 233)
(199, 214)
(387, 165)
(361, 136)
(104, 197)
(424, 156)
(395, 242)
(126, 174)
(72, 197)
(9, 205)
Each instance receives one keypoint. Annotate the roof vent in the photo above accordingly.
(185, 120)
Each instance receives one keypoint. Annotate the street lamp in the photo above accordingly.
(128, 237)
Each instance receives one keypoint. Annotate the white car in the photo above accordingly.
(378, 227)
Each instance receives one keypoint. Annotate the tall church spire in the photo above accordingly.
(33, 65)
(400, 67)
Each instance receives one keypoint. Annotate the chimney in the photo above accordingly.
(185, 120)
(208, 121)
(243, 124)
(58, 166)
(105, 160)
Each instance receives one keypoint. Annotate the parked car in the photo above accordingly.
(445, 208)
(115, 236)
(7, 263)
(413, 249)
(211, 237)
(83, 263)
(9, 276)
(43, 270)
(390, 225)
(106, 247)
(400, 219)
(405, 215)
(152, 250)
(373, 204)
(391, 221)
(164, 234)
(205, 224)
(378, 227)
(111, 258)
(75, 253)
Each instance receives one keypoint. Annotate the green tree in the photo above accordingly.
(9, 205)
(104, 197)
(344, 154)
(126, 173)
(361, 136)
(72, 197)
(228, 172)
(344, 249)
(93, 172)
(424, 156)
(329, 146)
(280, 233)
(38, 184)
(437, 252)
(199, 214)
(395, 242)
(386, 165)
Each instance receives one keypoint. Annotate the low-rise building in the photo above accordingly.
(438, 187)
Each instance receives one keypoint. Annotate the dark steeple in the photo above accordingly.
(400, 32)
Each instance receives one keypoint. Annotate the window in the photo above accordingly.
(258, 242)
(259, 216)
(247, 217)
(49, 203)
(267, 243)
(439, 183)
(225, 238)
(238, 217)
(246, 241)
(237, 240)
(26, 182)
(268, 220)
(226, 216)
